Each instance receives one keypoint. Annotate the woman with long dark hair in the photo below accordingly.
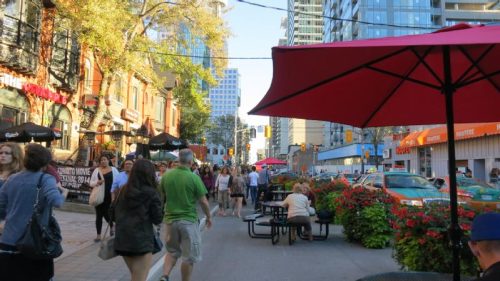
(17, 198)
(137, 208)
(104, 176)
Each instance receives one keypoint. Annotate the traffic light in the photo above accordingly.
(231, 151)
(203, 141)
(248, 147)
(253, 133)
(367, 154)
(302, 147)
(267, 131)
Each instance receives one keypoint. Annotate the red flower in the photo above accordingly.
(410, 223)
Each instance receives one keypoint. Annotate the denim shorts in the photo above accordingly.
(183, 239)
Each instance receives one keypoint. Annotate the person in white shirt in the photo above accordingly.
(254, 177)
(222, 187)
(298, 210)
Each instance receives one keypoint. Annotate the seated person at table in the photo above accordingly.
(298, 210)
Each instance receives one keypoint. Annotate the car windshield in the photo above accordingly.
(469, 182)
(407, 181)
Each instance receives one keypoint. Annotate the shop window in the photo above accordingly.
(60, 121)
(8, 118)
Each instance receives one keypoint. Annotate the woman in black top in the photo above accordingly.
(138, 208)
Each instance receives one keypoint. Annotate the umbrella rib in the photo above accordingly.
(392, 92)
(486, 76)
(475, 64)
(404, 77)
(257, 108)
(422, 60)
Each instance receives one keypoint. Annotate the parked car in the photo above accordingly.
(327, 176)
(405, 188)
(350, 177)
(475, 193)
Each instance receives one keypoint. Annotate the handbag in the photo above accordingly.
(157, 244)
(96, 197)
(40, 241)
(107, 247)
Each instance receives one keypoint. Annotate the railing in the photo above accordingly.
(19, 43)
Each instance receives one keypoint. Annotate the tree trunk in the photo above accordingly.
(101, 106)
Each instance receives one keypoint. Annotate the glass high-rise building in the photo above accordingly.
(304, 27)
(225, 97)
(422, 16)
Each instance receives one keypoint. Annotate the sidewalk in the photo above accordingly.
(228, 254)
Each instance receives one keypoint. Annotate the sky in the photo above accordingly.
(255, 31)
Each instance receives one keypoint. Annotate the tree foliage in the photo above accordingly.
(121, 37)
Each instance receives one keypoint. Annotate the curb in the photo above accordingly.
(156, 271)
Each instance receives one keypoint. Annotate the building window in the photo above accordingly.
(135, 97)
(160, 110)
(174, 113)
(118, 89)
(87, 84)
(13, 109)
(60, 121)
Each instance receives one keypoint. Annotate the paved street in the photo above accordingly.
(229, 254)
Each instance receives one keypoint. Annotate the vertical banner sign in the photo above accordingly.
(73, 178)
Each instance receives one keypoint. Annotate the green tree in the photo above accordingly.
(116, 32)
(377, 137)
(221, 131)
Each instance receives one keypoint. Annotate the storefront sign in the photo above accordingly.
(130, 115)
(11, 81)
(89, 100)
(44, 93)
(73, 177)
(402, 150)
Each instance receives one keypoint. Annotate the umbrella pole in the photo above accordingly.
(455, 231)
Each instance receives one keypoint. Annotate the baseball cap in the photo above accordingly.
(486, 227)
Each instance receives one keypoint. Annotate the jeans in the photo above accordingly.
(253, 193)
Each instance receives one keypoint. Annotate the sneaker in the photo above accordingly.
(164, 278)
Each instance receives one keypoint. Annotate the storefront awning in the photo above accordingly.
(439, 135)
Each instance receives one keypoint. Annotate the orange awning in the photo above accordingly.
(439, 135)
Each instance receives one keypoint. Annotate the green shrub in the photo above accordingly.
(376, 232)
(360, 223)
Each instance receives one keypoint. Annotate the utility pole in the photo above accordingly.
(235, 137)
(362, 151)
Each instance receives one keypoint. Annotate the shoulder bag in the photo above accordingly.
(107, 247)
(96, 197)
(41, 241)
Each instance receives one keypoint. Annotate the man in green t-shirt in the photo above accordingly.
(183, 189)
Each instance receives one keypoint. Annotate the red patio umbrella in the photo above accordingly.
(448, 76)
(270, 161)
